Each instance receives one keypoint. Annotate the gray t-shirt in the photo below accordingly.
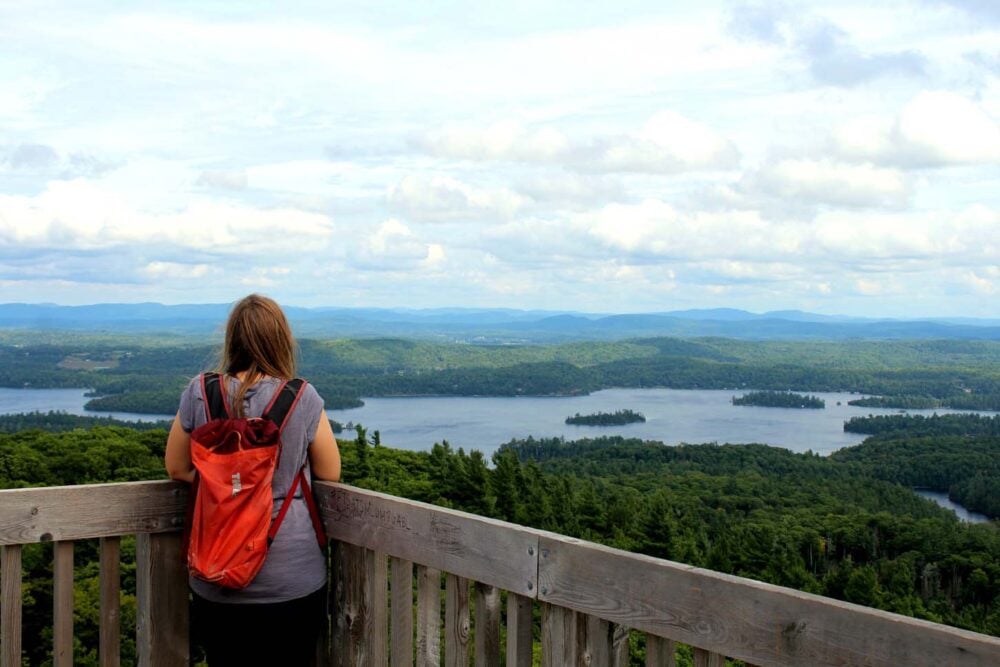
(295, 566)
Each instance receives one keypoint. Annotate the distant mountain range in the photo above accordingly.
(500, 326)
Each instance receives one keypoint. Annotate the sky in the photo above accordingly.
(840, 157)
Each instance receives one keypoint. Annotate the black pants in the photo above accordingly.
(282, 633)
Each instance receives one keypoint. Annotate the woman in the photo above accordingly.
(277, 618)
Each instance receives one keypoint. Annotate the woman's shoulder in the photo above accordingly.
(309, 398)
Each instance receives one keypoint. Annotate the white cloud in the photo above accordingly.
(666, 143)
(573, 191)
(235, 179)
(82, 215)
(824, 181)
(176, 271)
(503, 140)
(445, 199)
(392, 246)
(934, 129)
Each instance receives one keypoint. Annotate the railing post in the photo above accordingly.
(402, 613)
(10, 605)
(110, 583)
(558, 635)
(361, 623)
(519, 635)
(487, 625)
(619, 645)
(703, 658)
(593, 640)
(456, 621)
(62, 602)
(660, 652)
(162, 607)
(428, 616)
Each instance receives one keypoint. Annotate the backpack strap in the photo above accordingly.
(216, 405)
(284, 401)
(300, 479)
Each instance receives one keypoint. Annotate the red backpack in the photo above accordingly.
(230, 526)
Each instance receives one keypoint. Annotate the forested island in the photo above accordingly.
(147, 374)
(616, 418)
(963, 401)
(779, 399)
(842, 526)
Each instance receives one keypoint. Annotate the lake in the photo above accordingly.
(673, 416)
(942, 499)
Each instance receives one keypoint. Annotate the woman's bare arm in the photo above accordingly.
(178, 456)
(324, 455)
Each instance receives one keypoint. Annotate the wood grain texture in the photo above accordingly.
(558, 635)
(519, 630)
(619, 645)
(741, 618)
(593, 641)
(162, 601)
(402, 613)
(358, 616)
(340, 559)
(457, 626)
(376, 599)
(473, 547)
(703, 658)
(62, 603)
(66, 513)
(110, 584)
(10, 606)
(660, 652)
(487, 625)
(428, 616)
(323, 656)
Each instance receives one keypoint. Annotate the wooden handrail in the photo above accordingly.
(589, 592)
(727, 615)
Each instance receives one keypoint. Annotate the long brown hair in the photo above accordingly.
(258, 343)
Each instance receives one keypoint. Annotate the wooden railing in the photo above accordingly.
(385, 548)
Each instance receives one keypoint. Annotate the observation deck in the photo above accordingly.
(395, 561)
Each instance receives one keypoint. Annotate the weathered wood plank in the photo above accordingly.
(161, 583)
(703, 658)
(519, 630)
(323, 656)
(356, 611)
(376, 593)
(428, 616)
(402, 613)
(558, 635)
(487, 625)
(660, 652)
(62, 603)
(741, 618)
(10, 605)
(340, 557)
(110, 584)
(473, 547)
(66, 513)
(593, 641)
(619, 645)
(457, 630)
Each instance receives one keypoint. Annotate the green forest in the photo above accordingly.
(146, 374)
(846, 526)
(616, 418)
(779, 399)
